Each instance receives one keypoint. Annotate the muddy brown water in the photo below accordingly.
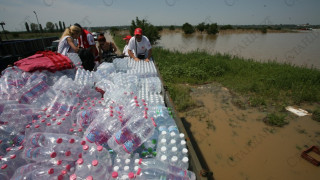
(236, 143)
(300, 48)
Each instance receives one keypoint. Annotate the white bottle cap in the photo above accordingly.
(127, 161)
(172, 134)
(163, 141)
(181, 135)
(174, 149)
(118, 160)
(184, 150)
(163, 133)
(185, 159)
(126, 168)
(136, 168)
(174, 159)
(116, 168)
(163, 149)
(163, 158)
(173, 141)
(136, 161)
(183, 142)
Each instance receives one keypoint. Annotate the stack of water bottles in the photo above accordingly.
(57, 126)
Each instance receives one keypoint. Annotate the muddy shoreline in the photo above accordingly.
(237, 144)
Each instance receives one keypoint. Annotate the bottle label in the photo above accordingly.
(18, 140)
(93, 135)
(32, 153)
(162, 128)
(131, 145)
(173, 128)
(34, 92)
(122, 135)
(177, 170)
(35, 139)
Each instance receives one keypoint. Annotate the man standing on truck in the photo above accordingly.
(86, 41)
(139, 46)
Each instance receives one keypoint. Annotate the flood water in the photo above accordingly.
(298, 48)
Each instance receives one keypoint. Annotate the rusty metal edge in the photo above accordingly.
(195, 164)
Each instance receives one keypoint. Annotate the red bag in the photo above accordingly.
(45, 60)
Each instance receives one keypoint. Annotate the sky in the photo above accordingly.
(158, 12)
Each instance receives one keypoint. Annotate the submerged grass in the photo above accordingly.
(268, 83)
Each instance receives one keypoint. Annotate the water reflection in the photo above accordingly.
(296, 48)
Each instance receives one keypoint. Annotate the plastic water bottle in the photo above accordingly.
(155, 173)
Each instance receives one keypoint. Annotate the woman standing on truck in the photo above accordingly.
(106, 48)
(66, 43)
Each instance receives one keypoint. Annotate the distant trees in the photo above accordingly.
(60, 25)
(225, 27)
(201, 27)
(172, 28)
(64, 26)
(41, 30)
(187, 28)
(212, 28)
(50, 26)
(27, 27)
(34, 27)
(57, 29)
(148, 29)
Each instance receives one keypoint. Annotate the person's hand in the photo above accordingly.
(147, 59)
(136, 59)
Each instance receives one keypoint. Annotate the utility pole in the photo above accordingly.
(39, 30)
(2, 24)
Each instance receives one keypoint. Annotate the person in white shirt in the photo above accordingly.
(139, 46)
(66, 43)
(125, 49)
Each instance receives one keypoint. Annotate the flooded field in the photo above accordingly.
(237, 144)
(301, 48)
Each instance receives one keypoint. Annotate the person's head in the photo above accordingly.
(72, 31)
(101, 40)
(127, 39)
(79, 26)
(138, 34)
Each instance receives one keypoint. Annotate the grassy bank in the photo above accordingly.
(24, 35)
(268, 84)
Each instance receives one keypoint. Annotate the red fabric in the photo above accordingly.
(45, 60)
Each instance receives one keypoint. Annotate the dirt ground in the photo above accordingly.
(237, 144)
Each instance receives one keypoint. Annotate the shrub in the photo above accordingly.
(148, 29)
(188, 28)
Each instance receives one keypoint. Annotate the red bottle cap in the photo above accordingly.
(131, 175)
(59, 140)
(59, 162)
(80, 161)
(48, 124)
(73, 177)
(43, 120)
(51, 171)
(95, 162)
(80, 129)
(4, 166)
(83, 142)
(53, 155)
(114, 174)
(71, 141)
(60, 177)
(68, 167)
(28, 126)
(53, 119)
(59, 123)
(74, 124)
(139, 171)
(85, 147)
(8, 149)
(63, 119)
(71, 129)
(99, 148)
(48, 115)
(89, 178)
(68, 153)
(13, 156)
(37, 126)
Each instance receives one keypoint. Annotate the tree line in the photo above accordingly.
(50, 27)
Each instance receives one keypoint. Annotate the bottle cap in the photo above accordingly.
(139, 171)
(13, 156)
(127, 161)
(95, 162)
(37, 126)
(83, 142)
(136, 168)
(163, 141)
(21, 147)
(99, 148)
(116, 168)
(60, 177)
(53, 119)
(53, 155)
(181, 135)
(68, 167)
(51, 171)
(48, 115)
(185, 159)
(85, 147)
(173, 141)
(163, 158)
(63, 119)
(136, 161)
(68, 153)
(80, 161)
(4, 166)
(89, 178)
(172, 134)
(183, 142)
(8, 149)
(131, 175)
(163, 132)
(114, 174)
(71, 129)
(126, 168)
(48, 124)
(28, 126)
(59, 123)
(80, 129)
(59, 162)
(71, 141)
(174, 149)
(59, 140)
(63, 172)
(43, 120)
(73, 177)
(184, 150)
(163, 148)
(174, 159)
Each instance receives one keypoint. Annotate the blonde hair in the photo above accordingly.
(70, 31)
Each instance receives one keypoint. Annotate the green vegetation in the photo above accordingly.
(148, 29)
(316, 115)
(225, 27)
(25, 35)
(172, 28)
(276, 119)
(187, 28)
